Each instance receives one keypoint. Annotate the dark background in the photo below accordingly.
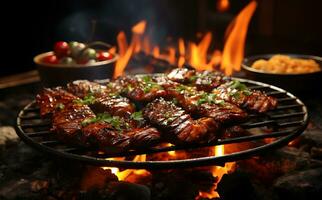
(31, 27)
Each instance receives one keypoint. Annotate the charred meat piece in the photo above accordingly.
(181, 75)
(206, 104)
(238, 94)
(103, 135)
(83, 88)
(116, 105)
(118, 133)
(177, 126)
(77, 124)
(101, 98)
(208, 80)
(51, 99)
(203, 80)
(67, 122)
(141, 89)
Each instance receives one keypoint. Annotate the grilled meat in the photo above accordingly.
(51, 99)
(83, 88)
(77, 124)
(141, 89)
(67, 121)
(204, 80)
(208, 80)
(185, 106)
(101, 98)
(238, 94)
(206, 104)
(108, 139)
(181, 75)
(177, 125)
(116, 105)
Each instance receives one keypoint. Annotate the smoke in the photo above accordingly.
(112, 16)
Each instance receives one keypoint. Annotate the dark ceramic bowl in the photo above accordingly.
(299, 84)
(60, 74)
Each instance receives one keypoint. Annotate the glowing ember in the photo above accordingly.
(222, 5)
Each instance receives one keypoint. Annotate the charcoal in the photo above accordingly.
(127, 191)
(236, 185)
(301, 185)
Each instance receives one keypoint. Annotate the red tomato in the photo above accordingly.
(103, 55)
(51, 59)
(61, 49)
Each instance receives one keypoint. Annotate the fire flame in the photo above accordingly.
(198, 55)
(217, 171)
(233, 52)
(122, 175)
(126, 51)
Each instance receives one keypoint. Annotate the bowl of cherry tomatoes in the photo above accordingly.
(75, 61)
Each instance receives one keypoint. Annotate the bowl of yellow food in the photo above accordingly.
(300, 74)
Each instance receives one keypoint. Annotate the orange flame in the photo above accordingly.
(233, 52)
(135, 46)
(122, 175)
(222, 5)
(196, 54)
(217, 171)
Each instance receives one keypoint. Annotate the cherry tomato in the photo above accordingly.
(89, 54)
(51, 59)
(103, 55)
(67, 61)
(91, 61)
(75, 48)
(61, 49)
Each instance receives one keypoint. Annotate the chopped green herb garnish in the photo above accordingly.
(147, 79)
(247, 92)
(235, 84)
(209, 98)
(87, 100)
(148, 84)
(110, 85)
(137, 116)
(60, 106)
(193, 78)
(115, 121)
(180, 88)
(175, 101)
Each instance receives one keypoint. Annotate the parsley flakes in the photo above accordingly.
(87, 100)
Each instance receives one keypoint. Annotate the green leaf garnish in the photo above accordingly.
(209, 98)
(87, 100)
(235, 84)
(114, 121)
(137, 116)
(60, 106)
(148, 84)
(193, 78)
